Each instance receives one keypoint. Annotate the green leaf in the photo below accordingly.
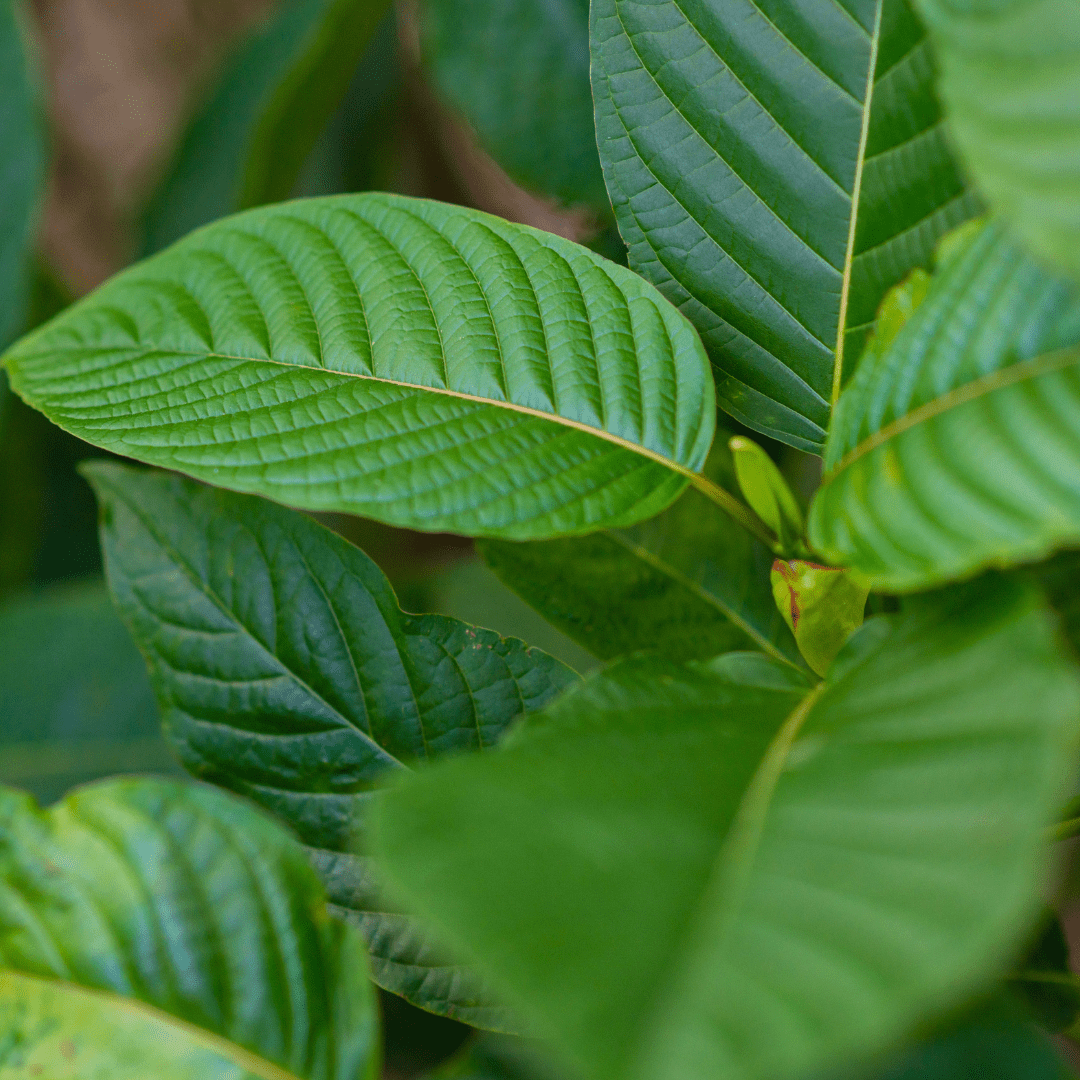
(22, 168)
(708, 870)
(156, 929)
(287, 672)
(688, 585)
(1010, 78)
(768, 186)
(956, 448)
(767, 492)
(74, 696)
(414, 362)
(247, 145)
(519, 73)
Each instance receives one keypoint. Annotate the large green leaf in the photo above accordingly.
(247, 145)
(768, 185)
(22, 168)
(75, 700)
(689, 584)
(287, 672)
(410, 361)
(1010, 77)
(519, 73)
(710, 870)
(156, 929)
(957, 446)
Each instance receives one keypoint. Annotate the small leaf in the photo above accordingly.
(708, 871)
(774, 170)
(519, 74)
(955, 449)
(767, 493)
(823, 605)
(22, 168)
(286, 671)
(1010, 77)
(418, 363)
(247, 145)
(156, 929)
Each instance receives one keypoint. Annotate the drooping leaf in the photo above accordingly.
(710, 870)
(22, 168)
(1010, 78)
(75, 701)
(958, 447)
(406, 360)
(247, 145)
(519, 73)
(156, 929)
(688, 585)
(769, 186)
(286, 671)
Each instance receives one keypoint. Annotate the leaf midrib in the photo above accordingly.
(217, 1044)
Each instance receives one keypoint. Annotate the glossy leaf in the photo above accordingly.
(1010, 77)
(957, 447)
(519, 73)
(22, 168)
(247, 145)
(710, 870)
(287, 672)
(74, 696)
(688, 585)
(769, 186)
(418, 363)
(150, 928)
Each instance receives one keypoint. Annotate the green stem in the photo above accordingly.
(735, 509)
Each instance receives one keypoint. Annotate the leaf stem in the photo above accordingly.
(1064, 830)
(737, 510)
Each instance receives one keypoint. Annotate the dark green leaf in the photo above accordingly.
(768, 186)
(1043, 979)
(519, 73)
(956, 447)
(248, 144)
(418, 363)
(689, 584)
(287, 672)
(74, 697)
(1010, 77)
(155, 929)
(707, 871)
(22, 168)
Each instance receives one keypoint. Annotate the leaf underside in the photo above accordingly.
(287, 672)
(422, 364)
(764, 191)
(959, 448)
(701, 871)
(151, 925)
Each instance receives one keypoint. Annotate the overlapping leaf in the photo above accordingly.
(689, 584)
(247, 145)
(773, 170)
(959, 446)
(22, 169)
(1010, 77)
(406, 360)
(150, 928)
(287, 672)
(708, 870)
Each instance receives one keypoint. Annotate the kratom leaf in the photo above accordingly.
(418, 363)
(74, 696)
(22, 168)
(769, 186)
(155, 929)
(689, 584)
(711, 870)
(247, 145)
(519, 73)
(286, 671)
(1010, 77)
(957, 447)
